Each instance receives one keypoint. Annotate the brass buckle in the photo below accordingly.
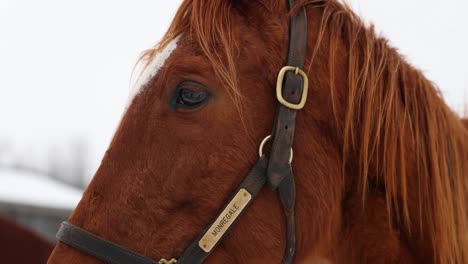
(279, 87)
(262, 145)
(163, 261)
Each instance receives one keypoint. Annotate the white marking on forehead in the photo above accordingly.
(152, 69)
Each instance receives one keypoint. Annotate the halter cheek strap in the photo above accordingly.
(291, 92)
(292, 95)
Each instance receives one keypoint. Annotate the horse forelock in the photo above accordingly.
(210, 25)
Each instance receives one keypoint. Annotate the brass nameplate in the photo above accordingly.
(225, 220)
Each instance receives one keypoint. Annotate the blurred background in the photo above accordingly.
(65, 74)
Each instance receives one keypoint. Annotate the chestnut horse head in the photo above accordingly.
(380, 161)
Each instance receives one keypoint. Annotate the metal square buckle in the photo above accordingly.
(164, 261)
(279, 87)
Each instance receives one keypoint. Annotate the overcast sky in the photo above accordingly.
(65, 66)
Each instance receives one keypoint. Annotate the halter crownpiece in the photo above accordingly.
(276, 170)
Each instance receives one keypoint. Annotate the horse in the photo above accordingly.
(380, 161)
(21, 246)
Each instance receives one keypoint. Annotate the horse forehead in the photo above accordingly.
(156, 64)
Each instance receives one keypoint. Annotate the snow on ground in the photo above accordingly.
(26, 188)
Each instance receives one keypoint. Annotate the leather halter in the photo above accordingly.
(291, 92)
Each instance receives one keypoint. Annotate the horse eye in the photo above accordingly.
(189, 95)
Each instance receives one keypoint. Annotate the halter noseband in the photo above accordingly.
(276, 170)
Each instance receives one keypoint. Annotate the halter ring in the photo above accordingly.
(262, 145)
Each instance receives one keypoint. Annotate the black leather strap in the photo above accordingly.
(285, 118)
(98, 247)
(287, 192)
(279, 172)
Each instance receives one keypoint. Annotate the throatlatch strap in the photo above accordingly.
(279, 172)
(287, 193)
